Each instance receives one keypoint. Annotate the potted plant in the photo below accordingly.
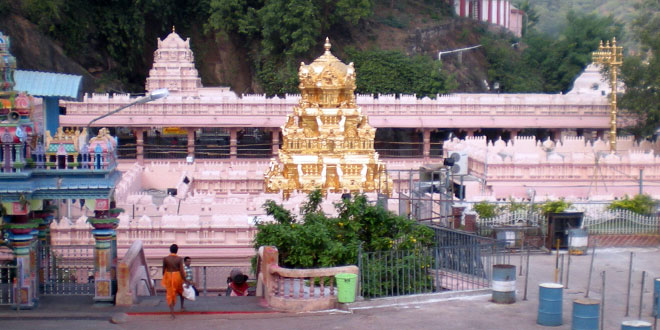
(115, 212)
(103, 223)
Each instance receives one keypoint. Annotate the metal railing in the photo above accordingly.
(427, 270)
(453, 237)
(621, 222)
(7, 275)
(67, 270)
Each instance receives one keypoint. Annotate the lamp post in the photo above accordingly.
(105, 223)
(531, 193)
(155, 95)
(612, 56)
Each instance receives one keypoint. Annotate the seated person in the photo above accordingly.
(237, 285)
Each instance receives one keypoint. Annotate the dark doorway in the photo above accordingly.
(61, 162)
(558, 226)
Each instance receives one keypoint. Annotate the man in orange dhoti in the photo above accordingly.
(173, 278)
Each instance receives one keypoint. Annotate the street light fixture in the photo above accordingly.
(531, 193)
(155, 95)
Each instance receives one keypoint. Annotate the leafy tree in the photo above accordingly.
(392, 72)
(641, 73)
(280, 32)
(316, 240)
(547, 64)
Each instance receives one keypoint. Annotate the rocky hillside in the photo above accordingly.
(413, 27)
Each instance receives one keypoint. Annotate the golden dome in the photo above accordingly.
(327, 76)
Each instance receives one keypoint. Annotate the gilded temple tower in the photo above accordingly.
(328, 143)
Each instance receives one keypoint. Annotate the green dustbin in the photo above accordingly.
(346, 287)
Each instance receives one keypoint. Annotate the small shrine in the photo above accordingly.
(37, 171)
(328, 143)
(69, 149)
(16, 129)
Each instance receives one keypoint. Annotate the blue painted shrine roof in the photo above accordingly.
(45, 84)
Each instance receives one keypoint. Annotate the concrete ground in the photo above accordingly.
(474, 312)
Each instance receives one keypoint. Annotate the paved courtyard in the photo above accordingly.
(475, 312)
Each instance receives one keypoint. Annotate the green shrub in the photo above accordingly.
(557, 206)
(642, 204)
(485, 209)
(316, 240)
(514, 206)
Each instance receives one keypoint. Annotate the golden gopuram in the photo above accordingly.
(327, 143)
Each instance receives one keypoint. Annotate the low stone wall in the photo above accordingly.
(624, 240)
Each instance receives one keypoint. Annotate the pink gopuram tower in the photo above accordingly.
(174, 66)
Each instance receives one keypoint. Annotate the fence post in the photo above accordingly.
(437, 269)
(204, 282)
(359, 283)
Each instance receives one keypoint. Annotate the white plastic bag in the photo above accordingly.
(189, 292)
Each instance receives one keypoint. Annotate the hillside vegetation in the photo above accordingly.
(257, 45)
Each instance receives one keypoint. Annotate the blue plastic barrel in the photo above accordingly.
(504, 284)
(635, 325)
(585, 314)
(550, 304)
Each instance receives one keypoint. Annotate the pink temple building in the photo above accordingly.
(216, 123)
(213, 146)
(498, 12)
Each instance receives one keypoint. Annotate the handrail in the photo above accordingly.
(296, 290)
(314, 272)
(132, 270)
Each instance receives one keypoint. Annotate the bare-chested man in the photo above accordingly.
(173, 278)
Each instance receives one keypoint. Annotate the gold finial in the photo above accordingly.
(173, 31)
(327, 45)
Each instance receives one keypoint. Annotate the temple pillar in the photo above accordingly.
(43, 219)
(426, 151)
(22, 233)
(191, 141)
(105, 251)
(139, 145)
(233, 142)
(275, 141)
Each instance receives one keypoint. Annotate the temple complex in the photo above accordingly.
(327, 143)
(196, 168)
(216, 123)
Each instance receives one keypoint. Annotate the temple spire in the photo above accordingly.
(327, 45)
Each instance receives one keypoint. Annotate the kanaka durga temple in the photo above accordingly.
(36, 169)
(327, 142)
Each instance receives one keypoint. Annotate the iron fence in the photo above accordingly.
(427, 270)
(621, 222)
(451, 237)
(7, 275)
(67, 270)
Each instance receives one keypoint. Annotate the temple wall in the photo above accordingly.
(454, 110)
(569, 168)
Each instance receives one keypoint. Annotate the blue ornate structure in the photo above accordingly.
(37, 169)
